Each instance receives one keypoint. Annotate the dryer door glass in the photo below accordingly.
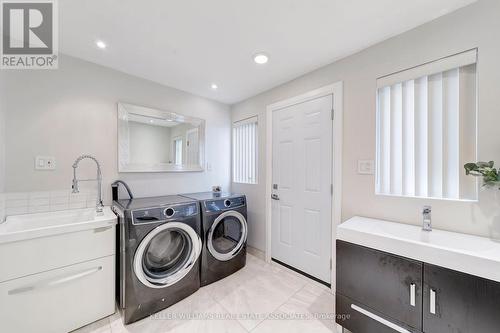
(227, 235)
(166, 254)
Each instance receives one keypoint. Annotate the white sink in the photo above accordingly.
(23, 227)
(57, 260)
(474, 255)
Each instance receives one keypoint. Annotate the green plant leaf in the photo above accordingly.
(490, 174)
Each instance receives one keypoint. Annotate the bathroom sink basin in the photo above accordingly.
(23, 227)
(474, 255)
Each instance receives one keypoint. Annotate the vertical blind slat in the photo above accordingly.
(396, 137)
(242, 154)
(385, 139)
(451, 171)
(408, 144)
(435, 102)
(421, 137)
(245, 152)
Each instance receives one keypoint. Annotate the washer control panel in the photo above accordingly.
(159, 214)
(224, 204)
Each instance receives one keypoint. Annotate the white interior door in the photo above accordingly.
(302, 184)
(192, 147)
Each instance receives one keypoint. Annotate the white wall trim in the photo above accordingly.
(336, 90)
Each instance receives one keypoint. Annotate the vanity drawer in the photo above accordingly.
(384, 282)
(32, 256)
(59, 300)
(359, 318)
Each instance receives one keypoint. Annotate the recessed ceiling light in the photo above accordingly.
(100, 44)
(214, 86)
(260, 58)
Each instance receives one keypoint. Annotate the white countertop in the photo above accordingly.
(473, 255)
(28, 226)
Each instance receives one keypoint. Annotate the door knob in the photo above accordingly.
(275, 197)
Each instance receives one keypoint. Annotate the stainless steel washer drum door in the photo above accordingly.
(166, 254)
(227, 235)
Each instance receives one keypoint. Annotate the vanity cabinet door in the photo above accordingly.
(455, 302)
(386, 283)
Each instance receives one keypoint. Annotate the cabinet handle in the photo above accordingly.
(432, 304)
(379, 319)
(46, 284)
(412, 294)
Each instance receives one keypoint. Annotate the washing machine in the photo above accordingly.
(159, 258)
(225, 230)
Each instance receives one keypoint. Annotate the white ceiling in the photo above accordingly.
(189, 44)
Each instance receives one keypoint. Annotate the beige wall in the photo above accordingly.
(73, 110)
(2, 155)
(2, 138)
(475, 26)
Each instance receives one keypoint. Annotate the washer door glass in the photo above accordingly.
(227, 235)
(166, 254)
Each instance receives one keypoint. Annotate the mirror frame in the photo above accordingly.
(123, 140)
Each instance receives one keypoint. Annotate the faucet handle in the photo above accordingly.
(426, 217)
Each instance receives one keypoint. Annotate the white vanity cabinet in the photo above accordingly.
(60, 280)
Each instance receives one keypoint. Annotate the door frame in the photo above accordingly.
(336, 90)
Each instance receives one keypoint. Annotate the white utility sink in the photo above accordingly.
(474, 255)
(53, 262)
(23, 227)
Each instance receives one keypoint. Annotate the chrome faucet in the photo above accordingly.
(426, 215)
(99, 206)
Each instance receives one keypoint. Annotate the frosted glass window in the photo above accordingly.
(245, 151)
(426, 130)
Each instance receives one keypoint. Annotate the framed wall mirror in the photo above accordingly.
(152, 140)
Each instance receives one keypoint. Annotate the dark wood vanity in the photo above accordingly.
(379, 292)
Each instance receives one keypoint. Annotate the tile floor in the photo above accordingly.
(259, 298)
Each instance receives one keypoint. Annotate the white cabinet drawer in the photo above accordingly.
(59, 300)
(33, 256)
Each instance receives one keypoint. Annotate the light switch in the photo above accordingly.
(45, 163)
(366, 167)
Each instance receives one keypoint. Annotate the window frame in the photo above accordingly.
(454, 62)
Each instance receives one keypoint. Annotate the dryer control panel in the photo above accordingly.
(224, 204)
(160, 214)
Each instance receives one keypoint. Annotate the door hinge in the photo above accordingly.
(331, 189)
(333, 114)
(331, 264)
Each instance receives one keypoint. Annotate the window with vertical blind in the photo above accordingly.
(245, 151)
(426, 129)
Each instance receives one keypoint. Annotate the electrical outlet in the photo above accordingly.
(366, 167)
(45, 163)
